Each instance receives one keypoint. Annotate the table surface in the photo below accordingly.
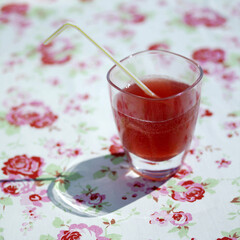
(63, 171)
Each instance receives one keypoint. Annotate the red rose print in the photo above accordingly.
(158, 46)
(223, 163)
(206, 113)
(17, 8)
(181, 173)
(131, 14)
(180, 218)
(81, 231)
(35, 114)
(226, 238)
(194, 191)
(205, 17)
(68, 235)
(136, 186)
(15, 188)
(209, 55)
(10, 189)
(116, 148)
(49, 55)
(93, 199)
(15, 14)
(184, 171)
(23, 165)
(160, 218)
(36, 199)
(96, 199)
(137, 18)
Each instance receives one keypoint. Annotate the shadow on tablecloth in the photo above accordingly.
(99, 186)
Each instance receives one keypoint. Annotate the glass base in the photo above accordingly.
(157, 171)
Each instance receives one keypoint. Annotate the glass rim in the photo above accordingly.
(196, 82)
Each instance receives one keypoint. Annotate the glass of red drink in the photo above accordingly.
(156, 132)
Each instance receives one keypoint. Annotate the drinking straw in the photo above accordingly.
(67, 25)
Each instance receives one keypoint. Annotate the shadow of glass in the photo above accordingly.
(99, 186)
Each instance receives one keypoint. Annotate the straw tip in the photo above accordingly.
(46, 42)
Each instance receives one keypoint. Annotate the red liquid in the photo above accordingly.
(156, 129)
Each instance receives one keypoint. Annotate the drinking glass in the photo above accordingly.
(156, 132)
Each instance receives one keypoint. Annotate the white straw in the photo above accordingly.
(138, 82)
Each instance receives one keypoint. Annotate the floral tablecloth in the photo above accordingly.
(63, 170)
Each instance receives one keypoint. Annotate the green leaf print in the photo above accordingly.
(210, 182)
(225, 234)
(62, 185)
(197, 179)
(175, 229)
(58, 222)
(113, 175)
(6, 201)
(234, 59)
(114, 236)
(53, 169)
(1, 238)
(178, 188)
(99, 174)
(171, 182)
(235, 231)
(11, 130)
(117, 160)
(183, 232)
(46, 237)
(72, 176)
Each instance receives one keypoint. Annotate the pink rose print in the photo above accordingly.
(180, 218)
(159, 192)
(30, 212)
(16, 188)
(23, 165)
(223, 163)
(81, 199)
(125, 33)
(195, 191)
(158, 46)
(209, 55)
(203, 17)
(49, 54)
(15, 8)
(127, 14)
(116, 148)
(134, 16)
(161, 218)
(81, 231)
(137, 186)
(232, 125)
(58, 148)
(74, 105)
(229, 76)
(213, 63)
(35, 114)
(35, 198)
(15, 14)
